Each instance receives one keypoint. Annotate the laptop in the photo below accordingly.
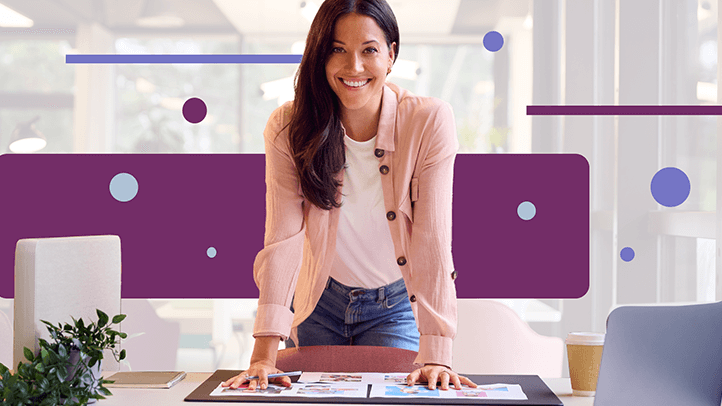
(662, 355)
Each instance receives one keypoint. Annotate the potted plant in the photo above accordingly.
(67, 368)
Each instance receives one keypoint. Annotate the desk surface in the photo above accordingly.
(175, 395)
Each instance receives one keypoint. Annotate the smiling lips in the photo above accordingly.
(355, 84)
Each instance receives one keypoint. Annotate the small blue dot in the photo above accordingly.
(670, 187)
(211, 252)
(526, 210)
(493, 41)
(627, 254)
(123, 187)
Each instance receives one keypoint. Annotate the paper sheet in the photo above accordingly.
(328, 377)
(336, 389)
(495, 391)
(271, 390)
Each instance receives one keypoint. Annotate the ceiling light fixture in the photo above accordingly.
(158, 14)
(11, 18)
(26, 138)
(309, 10)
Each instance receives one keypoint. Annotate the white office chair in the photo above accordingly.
(6, 341)
(492, 339)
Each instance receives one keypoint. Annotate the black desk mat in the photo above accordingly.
(537, 392)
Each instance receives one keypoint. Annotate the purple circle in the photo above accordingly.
(194, 110)
(670, 187)
(493, 41)
(627, 254)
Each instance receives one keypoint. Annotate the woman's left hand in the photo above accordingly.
(432, 373)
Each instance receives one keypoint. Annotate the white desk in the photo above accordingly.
(175, 395)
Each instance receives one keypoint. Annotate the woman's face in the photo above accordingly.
(359, 61)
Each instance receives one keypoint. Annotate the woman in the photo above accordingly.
(359, 180)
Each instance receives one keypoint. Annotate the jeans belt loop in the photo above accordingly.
(328, 282)
(382, 294)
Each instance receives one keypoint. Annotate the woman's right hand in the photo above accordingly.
(263, 363)
(261, 369)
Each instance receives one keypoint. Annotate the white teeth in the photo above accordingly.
(355, 84)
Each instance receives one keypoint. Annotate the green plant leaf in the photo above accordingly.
(117, 319)
(28, 354)
(62, 351)
(40, 367)
(102, 318)
(123, 335)
(122, 355)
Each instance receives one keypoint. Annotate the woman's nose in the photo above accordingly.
(354, 63)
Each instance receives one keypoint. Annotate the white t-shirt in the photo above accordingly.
(364, 249)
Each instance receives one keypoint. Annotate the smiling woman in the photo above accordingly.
(351, 164)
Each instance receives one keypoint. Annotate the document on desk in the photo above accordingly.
(495, 392)
(311, 390)
(359, 377)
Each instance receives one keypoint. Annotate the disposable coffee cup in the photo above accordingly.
(584, 351)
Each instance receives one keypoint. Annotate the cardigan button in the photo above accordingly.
(379, 153)
(391, 216)
(401, 261)
(384, 169)
(453, 275)
(412, 299)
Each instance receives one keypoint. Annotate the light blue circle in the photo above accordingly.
(493, 41)
(211, 252)
(123, 187)
(627, 254)
(670, 187)
(526, 210)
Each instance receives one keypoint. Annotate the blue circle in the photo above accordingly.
(211, 252)
(123, 187)
(627, 254)
(493, 41)
(526, 210)
(670, 187)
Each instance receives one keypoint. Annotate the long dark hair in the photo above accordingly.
(315, 131)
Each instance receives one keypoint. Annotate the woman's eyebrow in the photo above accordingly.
(367, 42)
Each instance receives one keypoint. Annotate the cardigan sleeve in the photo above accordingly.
(430, 247)
(277, 265)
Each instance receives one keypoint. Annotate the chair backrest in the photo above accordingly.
(662, 355)
(492, 339)
(342, 358)
(6, 341)
(60, 278)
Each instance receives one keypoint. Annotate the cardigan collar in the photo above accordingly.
(387, 120)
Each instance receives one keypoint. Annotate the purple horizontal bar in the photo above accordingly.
(627, 110)
(182, 58)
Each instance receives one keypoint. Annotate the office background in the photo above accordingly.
(555, 52)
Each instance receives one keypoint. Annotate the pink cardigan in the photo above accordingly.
(416, 145)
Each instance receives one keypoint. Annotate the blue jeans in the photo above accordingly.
(357, 316)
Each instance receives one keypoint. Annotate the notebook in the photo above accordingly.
(145, 379)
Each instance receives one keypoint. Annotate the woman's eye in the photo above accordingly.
(371, 50)
(337, 49)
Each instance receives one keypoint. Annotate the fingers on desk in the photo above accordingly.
(284, 380)
(236, 381)
(466, 381)
(262, 382)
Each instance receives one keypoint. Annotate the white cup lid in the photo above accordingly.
(582, 338)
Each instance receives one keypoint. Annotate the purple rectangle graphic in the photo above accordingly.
(196, 223)
(624, 110)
